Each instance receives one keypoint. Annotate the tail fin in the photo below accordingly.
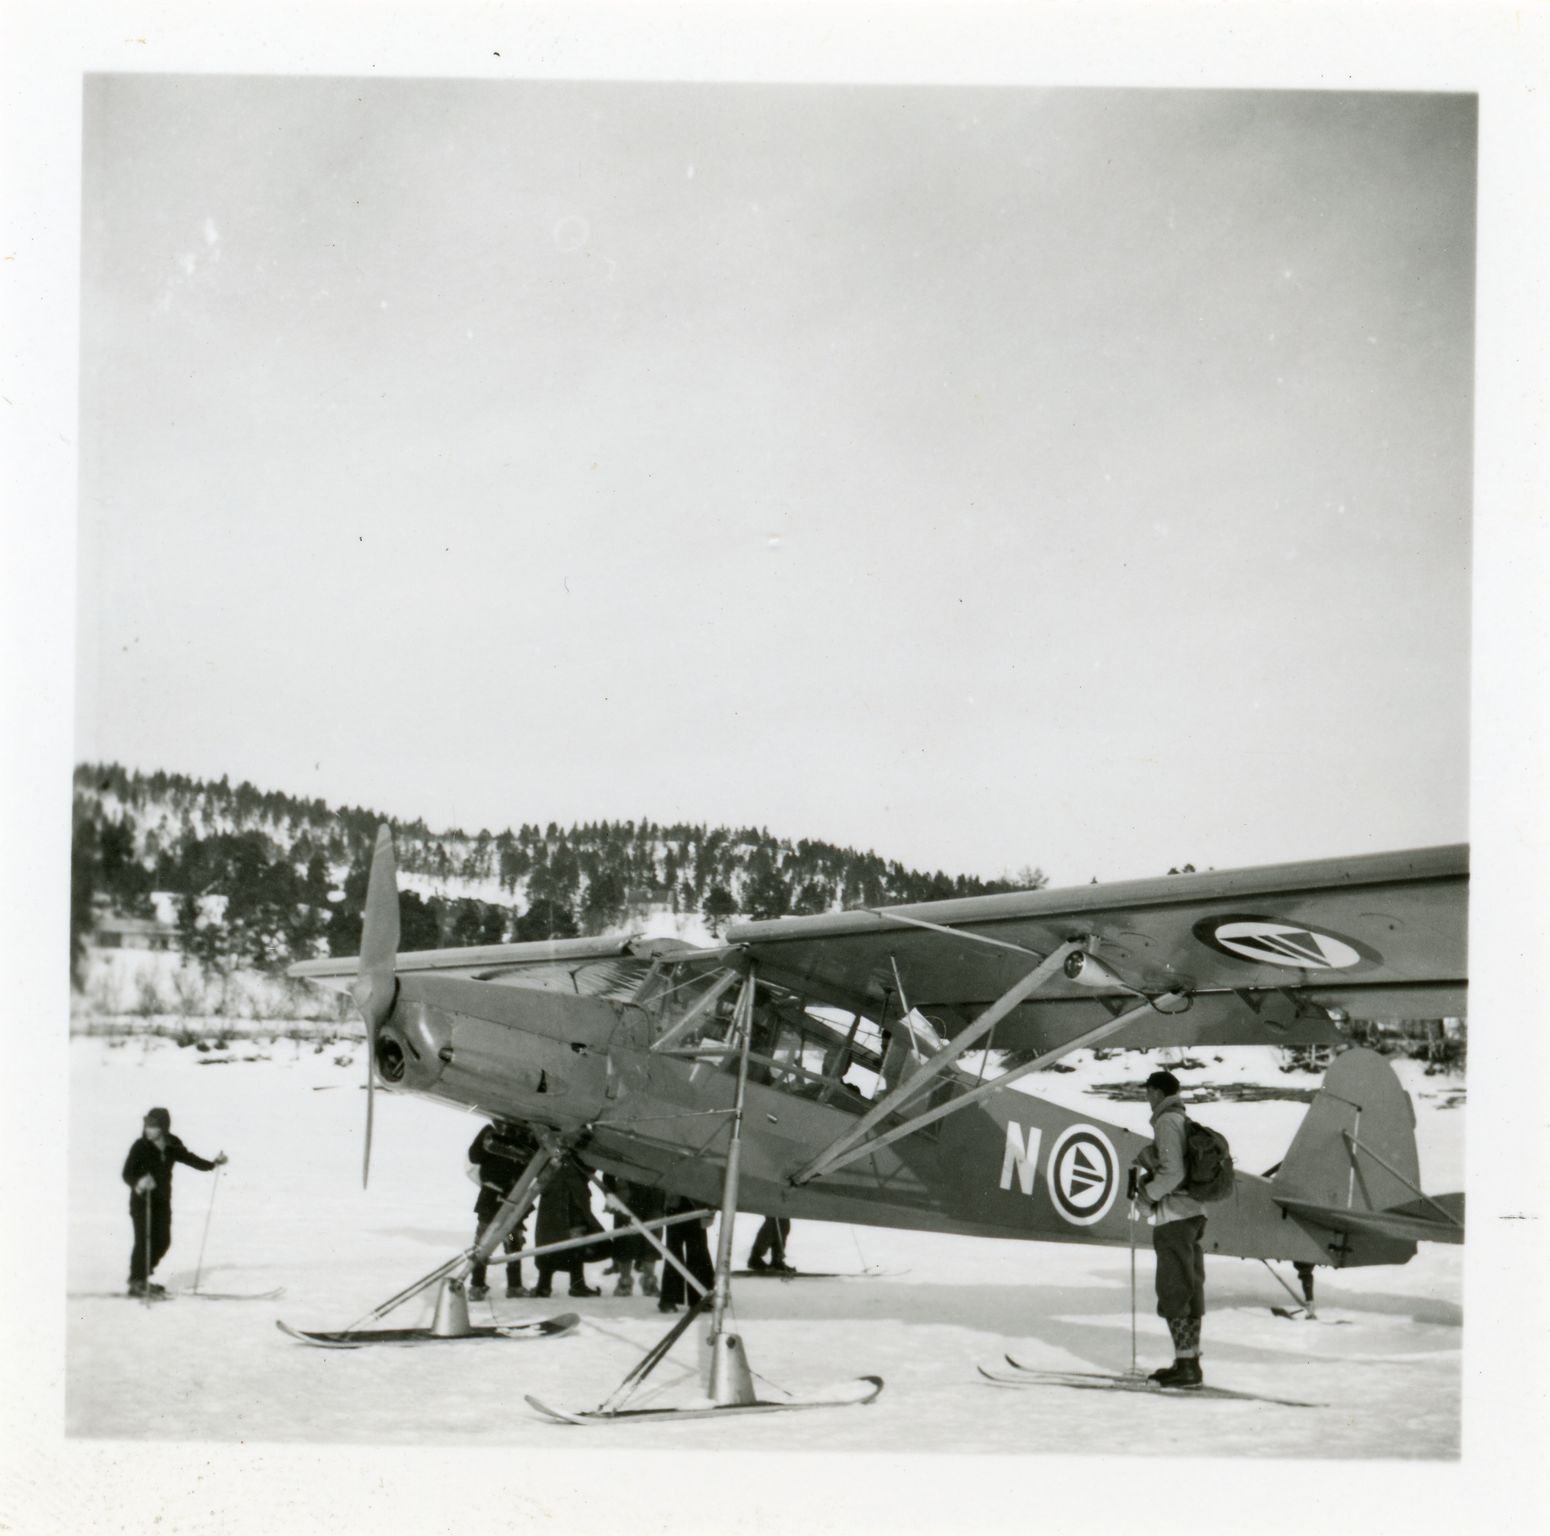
(1352, 1168)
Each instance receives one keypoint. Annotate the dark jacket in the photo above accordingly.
(565, 1209)
(500, 1160)
(146, 1157)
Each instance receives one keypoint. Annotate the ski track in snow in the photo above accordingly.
(289, 1211)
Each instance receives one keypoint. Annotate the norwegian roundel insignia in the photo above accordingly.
(1083, 1173)
(1275, 941)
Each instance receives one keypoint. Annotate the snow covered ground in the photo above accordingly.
(289, 1211)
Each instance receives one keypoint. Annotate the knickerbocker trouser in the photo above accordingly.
(1181, 1267)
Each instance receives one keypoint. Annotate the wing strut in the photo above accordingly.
(729, 1382)
(831, 1160)
(943, 1059)
(724, 1385)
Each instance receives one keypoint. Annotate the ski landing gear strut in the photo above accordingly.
(450, 1320)
(729, 1381)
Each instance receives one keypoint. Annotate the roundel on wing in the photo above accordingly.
(1276, 941)
(1083, 1174)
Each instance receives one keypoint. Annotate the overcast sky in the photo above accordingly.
(988, 477)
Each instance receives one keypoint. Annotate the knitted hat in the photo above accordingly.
(159, 1117)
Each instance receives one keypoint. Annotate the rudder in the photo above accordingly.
(1353, 1166)
(1361, 1100)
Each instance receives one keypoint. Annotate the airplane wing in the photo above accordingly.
(610, 966)
(1261, 956)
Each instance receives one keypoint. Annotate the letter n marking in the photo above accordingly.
(1023, 1156)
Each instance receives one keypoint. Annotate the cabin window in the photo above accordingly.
(818, 1053)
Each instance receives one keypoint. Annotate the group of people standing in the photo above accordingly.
(497, 1157)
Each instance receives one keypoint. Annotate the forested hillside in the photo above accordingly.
(255, 878)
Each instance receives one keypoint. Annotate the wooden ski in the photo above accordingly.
(863, 1390)
(1104, 1381)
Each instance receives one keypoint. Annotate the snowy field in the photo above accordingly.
(289, 1211)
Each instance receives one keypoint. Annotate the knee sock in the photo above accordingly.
(1186, 1336)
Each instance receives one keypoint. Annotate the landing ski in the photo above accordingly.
(1105, 1381)
(850, 1395)
(544, 1328)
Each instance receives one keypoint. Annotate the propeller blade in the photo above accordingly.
(371, 1098)
(374, 984)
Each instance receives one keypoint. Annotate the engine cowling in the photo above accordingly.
(414, 1046)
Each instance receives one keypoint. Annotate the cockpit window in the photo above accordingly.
(794, 1049)
(808, 1051)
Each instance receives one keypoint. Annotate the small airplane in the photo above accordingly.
(838, 1067)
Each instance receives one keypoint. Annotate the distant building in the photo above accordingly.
(115, 932)
(110, 930)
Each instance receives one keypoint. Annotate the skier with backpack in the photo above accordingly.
(1186, 1166)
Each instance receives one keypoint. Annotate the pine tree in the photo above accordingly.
(767, 895)
(419, 926)
(603, 907)
(545, 919)
(719, 906)
(811, 899)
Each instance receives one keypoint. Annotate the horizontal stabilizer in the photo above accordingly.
(1417, 1222)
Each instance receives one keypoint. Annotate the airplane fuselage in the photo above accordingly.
(1011, 1166)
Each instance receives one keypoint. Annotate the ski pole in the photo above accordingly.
(147, 1280)
(1134, 1213)
(209, 1212)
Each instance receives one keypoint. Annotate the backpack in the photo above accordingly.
(1208, 1170)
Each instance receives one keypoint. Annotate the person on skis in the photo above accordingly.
(1178, 1234)
(148, 1173)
